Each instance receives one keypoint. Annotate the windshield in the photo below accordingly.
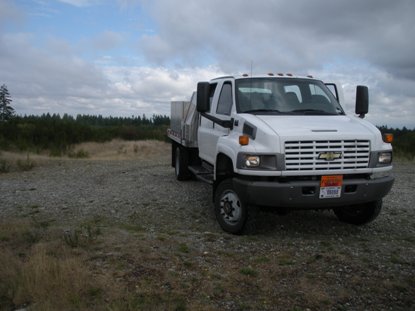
(285, 96)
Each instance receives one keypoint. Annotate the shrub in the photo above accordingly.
(80, 154)
(25, 165)
(4, 166)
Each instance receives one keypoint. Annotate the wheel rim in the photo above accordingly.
(230, 207)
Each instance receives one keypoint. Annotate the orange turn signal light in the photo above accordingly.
(388, 138)
(243, 140)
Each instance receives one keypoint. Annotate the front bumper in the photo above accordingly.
(304, 194)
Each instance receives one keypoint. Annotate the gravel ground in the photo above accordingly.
(304, 260)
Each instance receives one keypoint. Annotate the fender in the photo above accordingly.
(228, 147)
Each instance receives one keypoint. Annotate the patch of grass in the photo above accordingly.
(285, 260)
(141, 300)
(19, 232)
(161, 237)
(396, 259)
(183, 248)
(10, 270)
(25, 165)
(56, 152)
(48, 281)
(188, 264)
(4, 166)
(210, 237)
(82, 235)
(248, 271)
(132, 228)
(80, 154)
(262, 259)
(39, 273)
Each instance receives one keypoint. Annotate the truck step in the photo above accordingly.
(202, 173)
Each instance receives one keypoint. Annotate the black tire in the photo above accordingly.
(231, 211)
(181, 164)
(359, 214)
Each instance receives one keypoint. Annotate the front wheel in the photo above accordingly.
(359, 214)
(231, 211)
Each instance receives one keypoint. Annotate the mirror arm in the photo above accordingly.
(224, 123)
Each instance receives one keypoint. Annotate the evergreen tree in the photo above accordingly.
(6, 111)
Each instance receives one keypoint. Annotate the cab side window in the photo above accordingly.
(212, 92)
(225, 99)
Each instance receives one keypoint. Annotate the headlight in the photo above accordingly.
(259, 162)
(385, 158)
(252, 161)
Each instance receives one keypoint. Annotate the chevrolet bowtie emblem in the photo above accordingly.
(330, 155)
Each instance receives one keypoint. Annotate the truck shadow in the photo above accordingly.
(307, 223)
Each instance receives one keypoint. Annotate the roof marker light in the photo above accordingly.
(280, 74)
(245, 75)
(309, 76)
(289, 74)
(270, 74)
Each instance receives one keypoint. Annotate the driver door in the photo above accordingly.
(209, 132)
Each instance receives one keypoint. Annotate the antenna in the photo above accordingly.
(250, 92)
(252, 65)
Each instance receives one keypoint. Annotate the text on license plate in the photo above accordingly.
(331, 186)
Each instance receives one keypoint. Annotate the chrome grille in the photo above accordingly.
(304, 155)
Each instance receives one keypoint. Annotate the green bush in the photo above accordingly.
(4, 166)
(80, 154)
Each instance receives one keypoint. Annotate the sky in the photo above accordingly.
(132, 57)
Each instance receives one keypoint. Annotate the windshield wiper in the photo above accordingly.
(313, 112)
(259, 111)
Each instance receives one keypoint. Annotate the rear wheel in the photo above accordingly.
(231, 211)
(359, 214)
(181, 163)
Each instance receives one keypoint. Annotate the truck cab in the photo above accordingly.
(283, 142)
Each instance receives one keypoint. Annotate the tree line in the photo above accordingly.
(59, 133)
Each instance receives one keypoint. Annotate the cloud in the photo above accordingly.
(355, 42)
(129, 91)
(288, 35)
(81, 3)
(107, 40)
(46, 73)
(55, 80)
(391, 99)
(9, 13)
(352, 42)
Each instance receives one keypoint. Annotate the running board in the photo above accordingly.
(202, 173)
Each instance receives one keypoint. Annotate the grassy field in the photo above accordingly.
(302, 262)
(99, 265)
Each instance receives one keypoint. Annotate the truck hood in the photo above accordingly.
(303, 126)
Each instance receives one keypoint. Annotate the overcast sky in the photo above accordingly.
(131, 57)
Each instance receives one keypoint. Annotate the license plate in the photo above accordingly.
(331, 186)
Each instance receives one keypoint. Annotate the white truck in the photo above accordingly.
(283, 142)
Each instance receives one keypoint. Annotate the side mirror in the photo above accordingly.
(202, 99)
(362, 100)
